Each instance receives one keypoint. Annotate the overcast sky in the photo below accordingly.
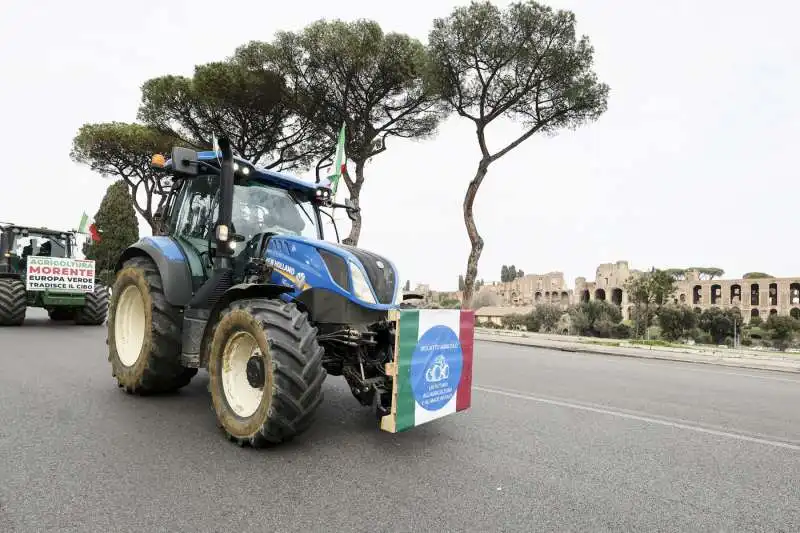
(689, 166)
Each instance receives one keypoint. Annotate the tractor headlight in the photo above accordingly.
(323, 195)
(360, 285)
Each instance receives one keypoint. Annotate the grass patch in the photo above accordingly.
(604, 343)
(654, 342)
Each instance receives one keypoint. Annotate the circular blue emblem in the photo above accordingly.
(436, 368)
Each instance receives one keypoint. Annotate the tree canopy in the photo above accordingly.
(649, 291)
(524, 63)
(509, 273)
(677, 322)
(756, 275)
(708, 273)
(117, 149)
(678, 274)
(256, 109)
(353, 73)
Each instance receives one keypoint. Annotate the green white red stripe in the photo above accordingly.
(434, 365)
(340, 162)
(86, 227)
(83, 227)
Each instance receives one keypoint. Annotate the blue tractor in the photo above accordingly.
(243, 284)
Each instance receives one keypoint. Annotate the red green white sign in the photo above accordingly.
(59, 274)
(433, 366)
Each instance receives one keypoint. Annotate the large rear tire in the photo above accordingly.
(265, 372)
(13, 302)
(144, 332)
(95, 308)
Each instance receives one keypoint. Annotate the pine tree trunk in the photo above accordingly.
(474, 237)
(355, 195)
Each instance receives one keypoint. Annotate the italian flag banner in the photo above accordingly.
(340, 162)
(433, 366)
(86, 227)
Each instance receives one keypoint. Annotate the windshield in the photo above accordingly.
(257, 208)
(260, 208)
(42, 245)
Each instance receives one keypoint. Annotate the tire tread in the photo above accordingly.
(13, 302)
(95, 309)
(296, 366)
(163, 371)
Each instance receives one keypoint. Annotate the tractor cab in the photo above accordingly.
(263, 203)
(17, 243)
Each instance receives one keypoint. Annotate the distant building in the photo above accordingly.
(533, 288)
(751, 297)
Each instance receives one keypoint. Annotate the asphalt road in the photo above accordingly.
(554, 442)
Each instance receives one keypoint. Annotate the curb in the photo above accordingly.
(765, 365)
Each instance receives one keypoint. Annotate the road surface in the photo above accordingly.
(554, 442)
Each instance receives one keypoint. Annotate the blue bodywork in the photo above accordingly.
(301, 255)
(167, 246)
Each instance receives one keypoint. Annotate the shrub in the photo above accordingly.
(621, 331)
(595, 318)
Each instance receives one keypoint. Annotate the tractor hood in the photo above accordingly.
(363, 277)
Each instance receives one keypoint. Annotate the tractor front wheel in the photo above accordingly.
(13, 302)
(265, 372)
(144, 338)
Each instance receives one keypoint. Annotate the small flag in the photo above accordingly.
(84, 224)
(94, 233)
(434, 365)
(340, 162)
(87, 227)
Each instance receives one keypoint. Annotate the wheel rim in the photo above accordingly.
(129, 325)
(242, 397)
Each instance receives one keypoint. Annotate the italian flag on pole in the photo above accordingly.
(340, 162)
(433, 366)
(86, 228)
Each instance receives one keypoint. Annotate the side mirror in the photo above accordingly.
(184, 161)
(351, 209)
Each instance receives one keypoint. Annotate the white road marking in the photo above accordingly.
(717, 369)
(650, 420)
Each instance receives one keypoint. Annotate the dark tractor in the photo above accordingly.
(66, 298)
(244, 286)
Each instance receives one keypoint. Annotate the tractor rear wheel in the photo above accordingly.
(13, 302)
(95, 307)
(144, 332)
(265, 372)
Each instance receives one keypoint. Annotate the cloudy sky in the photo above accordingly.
(690, 165)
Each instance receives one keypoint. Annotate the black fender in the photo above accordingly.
(175, 275)
(249, 290)
(237, 292)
